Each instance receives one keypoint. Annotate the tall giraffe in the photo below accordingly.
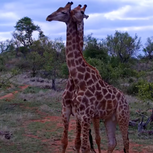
(70, 88)
(94, 98)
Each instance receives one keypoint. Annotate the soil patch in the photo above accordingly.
(55, 143)
(11, 95)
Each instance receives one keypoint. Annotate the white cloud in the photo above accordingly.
(122, 29)
(95, 15)
(53, 26)
(118, 14)
(138, 28)
(9, 6)
(104, 16)
(5, 35)
(9, 16)
(7, 24)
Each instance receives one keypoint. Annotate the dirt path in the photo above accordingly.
(11, 95)
(55, 143)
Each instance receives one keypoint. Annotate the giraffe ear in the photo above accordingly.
(86, 16)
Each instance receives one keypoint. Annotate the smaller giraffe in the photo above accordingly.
(77, 17)
(93, 98)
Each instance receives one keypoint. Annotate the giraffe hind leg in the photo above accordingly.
(123, 121)
(110, 125)
(124, 131)
(96, 123)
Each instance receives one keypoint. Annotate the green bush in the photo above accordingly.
(126, 71)
(21, 64)
(133, 89)
(131, 80)
(142, 88)
(146, 90)
(2, 64)
(108, 73)
(64, 70)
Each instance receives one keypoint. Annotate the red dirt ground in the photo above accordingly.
(11, 95)
(55, 143)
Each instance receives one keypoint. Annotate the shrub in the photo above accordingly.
(108, 73)
(18, 63)
(133, 89)
(146, 90)
(2, 64)
(64, 70)
(131, 80)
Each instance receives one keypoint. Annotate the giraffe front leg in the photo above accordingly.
(78, 136)
(96, 123)
(85, 136)
(66, 112)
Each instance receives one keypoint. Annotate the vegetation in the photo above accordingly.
(120, 59)
(149, 48)
(117, 57)
(123, 46)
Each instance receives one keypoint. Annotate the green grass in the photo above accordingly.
(20, 117)
(31, 89)
(35, 128)
(8, 89)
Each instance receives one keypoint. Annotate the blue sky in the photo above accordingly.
(105, 17)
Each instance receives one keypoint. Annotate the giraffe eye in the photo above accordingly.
(82, 12)
(63, 13)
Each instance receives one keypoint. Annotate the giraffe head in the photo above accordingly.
(78, 13)
(61, 14)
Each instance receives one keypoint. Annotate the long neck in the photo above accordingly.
(80, 29)
(74, 58)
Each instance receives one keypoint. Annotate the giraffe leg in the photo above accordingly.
(78, 136)
(96, 123)
(123, 124)
(66, 112)
(110, 129)
(85, 136)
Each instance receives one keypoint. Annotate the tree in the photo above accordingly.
(47, 56)
(36, 62)
(2, 63)
(2, 46)
(123, 45)
(53, 59)
(149, 48)
(95, 48)
(23, 31)
(7, 45)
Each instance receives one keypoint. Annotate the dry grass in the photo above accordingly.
(32, 118)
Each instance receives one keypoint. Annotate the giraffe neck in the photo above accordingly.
(74, 45)
(80, 29)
